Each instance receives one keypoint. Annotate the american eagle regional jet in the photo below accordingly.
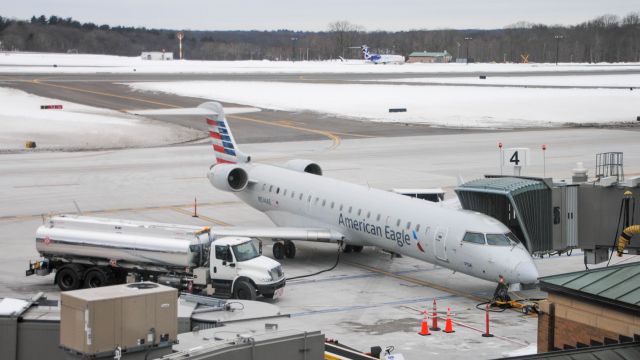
(307, 206)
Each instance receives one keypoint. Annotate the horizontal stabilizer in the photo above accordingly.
(280, 233)
(194, 111)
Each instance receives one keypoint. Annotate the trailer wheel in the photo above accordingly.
(244, 291)
(278, 251)
(69, 278)
(97, 277)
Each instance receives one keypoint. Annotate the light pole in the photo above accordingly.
(558, 38)
(293, 48)
(467, 39)
(180, 36)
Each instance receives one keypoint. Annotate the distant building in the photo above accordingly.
(590, 308)
(156, 55)
(429, 57)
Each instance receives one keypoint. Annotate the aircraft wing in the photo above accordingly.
(280, 233)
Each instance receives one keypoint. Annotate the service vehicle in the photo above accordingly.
(87, 252)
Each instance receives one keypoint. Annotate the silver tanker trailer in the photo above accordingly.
(91, 252)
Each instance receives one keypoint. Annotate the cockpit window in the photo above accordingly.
(499, 240)
(476, 238)
(513, 238)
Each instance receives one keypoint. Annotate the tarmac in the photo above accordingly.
(370, 298)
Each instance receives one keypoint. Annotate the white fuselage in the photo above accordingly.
(397, 223)
(386, 59)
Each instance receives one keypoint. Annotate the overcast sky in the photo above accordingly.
(316, 15)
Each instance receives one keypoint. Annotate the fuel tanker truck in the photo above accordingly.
(87, 252)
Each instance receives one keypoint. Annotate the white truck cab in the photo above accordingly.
(236, 264)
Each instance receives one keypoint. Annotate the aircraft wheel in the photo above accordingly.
(357, 249)
(289, 249)
(278, 250)
(347, 249)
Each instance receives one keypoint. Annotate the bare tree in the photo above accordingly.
(344, 34)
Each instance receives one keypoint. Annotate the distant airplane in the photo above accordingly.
(307, 206)
(381, 59)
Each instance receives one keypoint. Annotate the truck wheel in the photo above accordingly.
(244, 291)
(97, 277)
(357, 248)
(69, 278)
(289, 249)
(119, 277)
(278, 251)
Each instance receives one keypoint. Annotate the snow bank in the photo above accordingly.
(590, 80)
(452, 106)
(12, 307)
(12, 62)
(77, 126)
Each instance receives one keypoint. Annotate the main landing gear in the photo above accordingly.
(287, 249)
(352, 248)
(282, 250)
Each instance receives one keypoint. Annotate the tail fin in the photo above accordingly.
(222, 140)
(224, 145)
(365, 52)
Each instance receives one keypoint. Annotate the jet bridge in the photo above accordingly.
(558, 216)
(522, 204)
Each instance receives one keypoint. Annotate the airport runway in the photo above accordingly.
(109, 91)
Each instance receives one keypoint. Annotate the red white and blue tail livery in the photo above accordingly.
(224, 145)
(222, 140)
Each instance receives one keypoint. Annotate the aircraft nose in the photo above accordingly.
(526, 272)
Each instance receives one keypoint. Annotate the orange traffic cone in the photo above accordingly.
(424, 330)
(448, 324)
(434, 318)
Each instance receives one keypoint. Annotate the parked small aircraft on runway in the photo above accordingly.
(381, 58)
(307, 206)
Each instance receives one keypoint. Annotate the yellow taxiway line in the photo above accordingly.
(285, 124)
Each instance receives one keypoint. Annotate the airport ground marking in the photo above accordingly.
(482, 331)
(115, 210)
(336, 139)
(416, 281)
(203, 217)
(40, 82)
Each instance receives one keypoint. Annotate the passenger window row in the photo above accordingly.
(316, 202)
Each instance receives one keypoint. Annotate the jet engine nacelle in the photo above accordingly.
(303, 165)
(228, 177)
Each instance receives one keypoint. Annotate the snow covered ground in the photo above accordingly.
(12, 62)
(590, 80)
(77, 126)
(452, 106)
